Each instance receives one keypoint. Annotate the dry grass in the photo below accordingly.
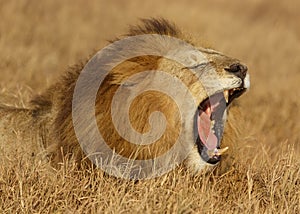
(39, 39)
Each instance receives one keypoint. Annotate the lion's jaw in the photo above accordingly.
(224, 82)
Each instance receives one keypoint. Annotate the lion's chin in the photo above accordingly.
(196, 164)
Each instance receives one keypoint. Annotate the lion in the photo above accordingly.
(45, 131)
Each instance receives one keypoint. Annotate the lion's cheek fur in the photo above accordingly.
(194, 162)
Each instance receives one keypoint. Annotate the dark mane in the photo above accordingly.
(155, 26)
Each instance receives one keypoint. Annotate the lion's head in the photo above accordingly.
(170, 94)
(160, 89)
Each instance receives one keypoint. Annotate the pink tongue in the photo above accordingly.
(207, 137)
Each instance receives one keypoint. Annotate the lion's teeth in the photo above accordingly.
(226, 95)
(221, 151)
(217, 152)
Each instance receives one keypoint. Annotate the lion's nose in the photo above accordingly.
(238, 69)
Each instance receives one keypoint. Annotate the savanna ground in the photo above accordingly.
(40, 39)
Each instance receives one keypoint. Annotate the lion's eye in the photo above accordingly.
(238, 69)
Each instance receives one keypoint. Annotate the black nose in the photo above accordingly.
(238, 69)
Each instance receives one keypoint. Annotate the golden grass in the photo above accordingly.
(40, 39)
(254, 186)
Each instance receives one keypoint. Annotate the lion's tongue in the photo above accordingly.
(207, 137)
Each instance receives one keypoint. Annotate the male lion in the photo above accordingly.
(45, 131)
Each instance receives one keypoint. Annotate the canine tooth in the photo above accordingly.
(217, 152)
(221, 151)
(226, 95)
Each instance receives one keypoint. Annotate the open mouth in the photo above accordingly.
(211, 118)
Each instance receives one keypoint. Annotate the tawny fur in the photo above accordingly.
(45, 130)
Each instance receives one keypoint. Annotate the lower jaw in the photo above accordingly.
(203, 154)
(196, 164)
(214, 160)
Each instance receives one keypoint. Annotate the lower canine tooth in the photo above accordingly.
(217, 152)
(226, 95)
(221, 151)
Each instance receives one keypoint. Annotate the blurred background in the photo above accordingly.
(39, 40)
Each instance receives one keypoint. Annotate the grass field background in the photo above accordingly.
(40, 39)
